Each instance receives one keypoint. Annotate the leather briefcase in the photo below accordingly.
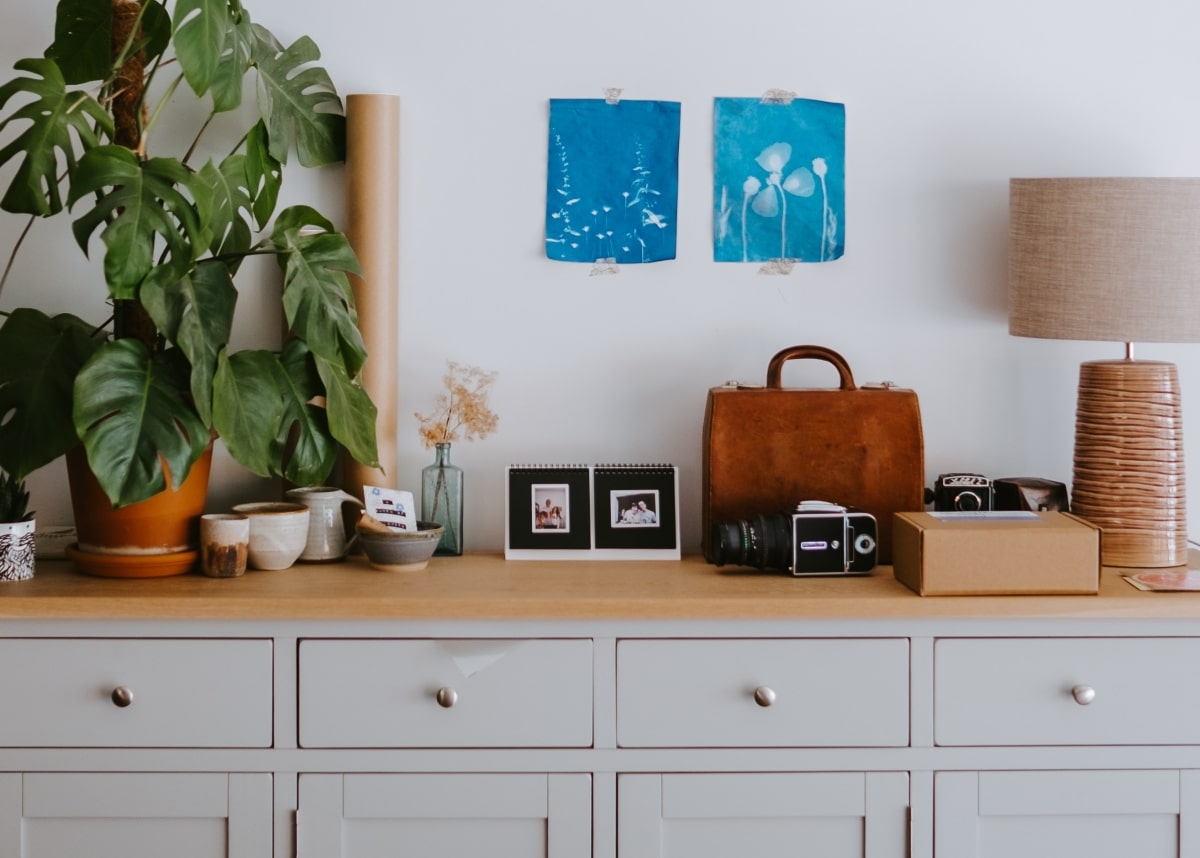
(766, 449)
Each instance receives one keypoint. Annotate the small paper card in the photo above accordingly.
(391, 507)
(1188, 579)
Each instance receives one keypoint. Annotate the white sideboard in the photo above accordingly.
(596, 709)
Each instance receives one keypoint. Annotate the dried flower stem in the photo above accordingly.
(438, 491)
(461, 411)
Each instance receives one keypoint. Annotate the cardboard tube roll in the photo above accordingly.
(372, 226)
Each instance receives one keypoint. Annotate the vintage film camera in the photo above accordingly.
(815, 538)
(962, 493)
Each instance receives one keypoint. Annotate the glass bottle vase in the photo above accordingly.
(442, 499)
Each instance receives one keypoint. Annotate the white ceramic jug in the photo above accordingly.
(328, 538)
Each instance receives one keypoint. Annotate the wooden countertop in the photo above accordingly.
(486, 586)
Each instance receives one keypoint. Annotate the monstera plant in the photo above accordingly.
(152, 379)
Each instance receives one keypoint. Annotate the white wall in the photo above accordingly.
(945, 101)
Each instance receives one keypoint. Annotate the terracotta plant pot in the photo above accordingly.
(168, 523)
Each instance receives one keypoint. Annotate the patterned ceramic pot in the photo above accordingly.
(17, 550)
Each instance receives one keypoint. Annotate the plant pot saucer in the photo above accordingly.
(131, 565)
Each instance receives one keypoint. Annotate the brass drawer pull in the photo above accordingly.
(764, 695)
(446, 697)
(122, 696)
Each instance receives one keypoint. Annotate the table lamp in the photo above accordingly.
(1115, 259)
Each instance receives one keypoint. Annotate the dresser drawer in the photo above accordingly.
(1068, 691)
(445, 693)
(176, 693)
(762, 693)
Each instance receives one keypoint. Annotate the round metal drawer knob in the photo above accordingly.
(446, 697)
(1083, 694)
(764, 695)
(122, 696)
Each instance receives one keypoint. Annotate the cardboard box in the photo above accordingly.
(987, 554)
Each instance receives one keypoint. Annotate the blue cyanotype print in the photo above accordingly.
(779, 180)
(612, 180)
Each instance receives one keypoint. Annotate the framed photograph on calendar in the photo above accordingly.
(635, 507)
(548, 510)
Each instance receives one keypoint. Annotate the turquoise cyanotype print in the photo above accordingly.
(779, 182)
(612, 180)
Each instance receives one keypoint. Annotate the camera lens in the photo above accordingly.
(762, 542)
(864, 543)
(967, 502)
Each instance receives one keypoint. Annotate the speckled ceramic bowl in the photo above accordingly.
(400, 551)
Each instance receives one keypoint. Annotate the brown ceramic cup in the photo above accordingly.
(224, 544)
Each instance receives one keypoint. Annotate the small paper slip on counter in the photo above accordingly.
(989, 554)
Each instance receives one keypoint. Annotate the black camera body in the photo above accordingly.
(963, 493)
(814, 538)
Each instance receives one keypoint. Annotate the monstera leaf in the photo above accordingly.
(306, 423)
(83, 38)
(257, 386)
(350, 412)
(264, 174)
(214, 43)
(140, 202)
(39, 359)
(227, 187)
(317, 299)
(243, 190)
(248, 406)
(298, 100)
(196, 313)
(60, 124)
(131, 409)
(201, 27)
(237, 57)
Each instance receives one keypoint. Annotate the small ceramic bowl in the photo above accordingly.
(400, 551)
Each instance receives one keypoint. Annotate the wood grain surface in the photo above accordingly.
(486, 586)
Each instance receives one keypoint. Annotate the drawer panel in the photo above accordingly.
(184, 693)
(445, 693)
(821, 693)
(1024, 691)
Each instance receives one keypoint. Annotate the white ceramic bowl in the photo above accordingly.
(399, 550)
(278, 532)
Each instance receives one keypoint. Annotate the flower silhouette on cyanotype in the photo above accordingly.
(771, 201)
(829, 221)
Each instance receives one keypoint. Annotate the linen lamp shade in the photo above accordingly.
(1116, 259)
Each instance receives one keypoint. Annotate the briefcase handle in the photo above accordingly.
(775, 367)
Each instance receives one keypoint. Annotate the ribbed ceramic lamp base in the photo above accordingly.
(1129, 475)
